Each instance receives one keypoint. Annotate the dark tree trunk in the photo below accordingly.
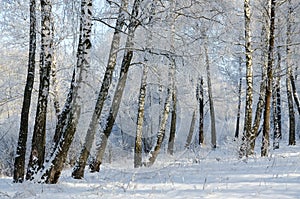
(66, 127)
(78, 171)
(173, 123)
(295, 94)
(277, 105)
(128, 54)
(211, 102)
(200, 98)
(191, 132)
(37, 154)
(19, 164)
(237, 128)
(262, 88)
(267, 112)
(292, 136)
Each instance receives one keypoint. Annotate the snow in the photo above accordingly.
(198, 173)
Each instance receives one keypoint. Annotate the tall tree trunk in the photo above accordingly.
(19, 164)
(173, 122)
(172, 71)
(67, 125)
(173, 89)
(262, 88)
(128, 54)
(237, 128)
(211, 103)
(200, 98)
(78, 171)
(249, 81)
(267, 112)
(192, 127)
(140, 120)
(295, 94)
(162, 128)
(37, 154)
(277, 104)
(141, 110)
(289, 72)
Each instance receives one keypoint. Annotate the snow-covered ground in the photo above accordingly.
(200, 173)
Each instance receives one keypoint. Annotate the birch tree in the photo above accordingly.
(19, 164)
(38, 144)
(172, 71)
(140, 120)
(200, 98)
(237, 128)
(67, 124)
(191, 131)
(277, 103)
(127, 57)
(292, 137)
(211, 102)
(249, 80)
(265, 32)
(78, 171)
(268, 96)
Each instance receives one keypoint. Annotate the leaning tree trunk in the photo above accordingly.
(19, 164)
(292, 136)
(191, 132)
(268, 97)
(170, 92)
(128, 54)
(78, 171)
(52, 169)
(262, 89)
(37, 154)
(211, 103)
(249, 81)
(162, 129)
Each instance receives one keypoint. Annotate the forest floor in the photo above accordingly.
(198, 173)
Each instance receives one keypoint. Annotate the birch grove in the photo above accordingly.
(132, 79)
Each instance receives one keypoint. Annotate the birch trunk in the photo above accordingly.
(162, 129)
(37, 154)
(78, 171)
(128, 54)
(249, 81)
(237, 128)
(277, 105)
(211, 103)
(267, 112)
(262, 88)
(173, 123)
(172, 71)
(67, 126)
(190, 135)
(295, 94)
(19, 164)
(140, 120)
(200, 97)
(292, 136)
(141, 110)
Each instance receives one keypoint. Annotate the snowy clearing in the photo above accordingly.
(200, 174)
